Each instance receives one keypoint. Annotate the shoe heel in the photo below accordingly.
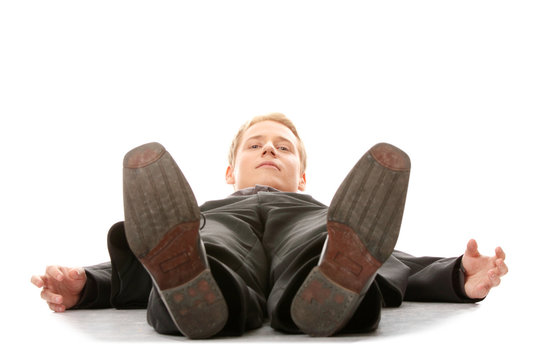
(197, 307)
(346, 260)
(321, 306)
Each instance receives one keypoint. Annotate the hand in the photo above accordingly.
(61, 285)
(482, 273)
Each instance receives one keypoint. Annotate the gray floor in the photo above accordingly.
(492, 329)
(131, 326)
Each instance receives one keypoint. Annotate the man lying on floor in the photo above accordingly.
(267, 251)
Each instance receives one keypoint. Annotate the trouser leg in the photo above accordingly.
(295, 233)
(293, 230)
(245, 310)
(130, 283)
(231, 237)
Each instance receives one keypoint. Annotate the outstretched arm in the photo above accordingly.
(482, 273)
(61, 286)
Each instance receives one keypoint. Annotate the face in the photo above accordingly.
(267, 155)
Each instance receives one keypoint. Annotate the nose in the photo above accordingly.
(269, 149)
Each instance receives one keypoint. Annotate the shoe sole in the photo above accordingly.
(162, 228)
(364, 219)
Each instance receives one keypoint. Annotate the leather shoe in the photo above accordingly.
(162, 228)
(364, 219)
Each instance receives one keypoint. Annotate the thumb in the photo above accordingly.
(76, 274)
(472, 248)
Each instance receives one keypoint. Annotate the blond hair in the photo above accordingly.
(279, 118)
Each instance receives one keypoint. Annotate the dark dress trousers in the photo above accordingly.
(261, 245)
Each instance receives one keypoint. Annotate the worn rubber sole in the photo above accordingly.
(162, 228)
(364, 219)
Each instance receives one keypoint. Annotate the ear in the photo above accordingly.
(229, 176)
(302, 183)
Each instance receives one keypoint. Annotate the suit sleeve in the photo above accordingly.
(122, 283)
(96, 293)
(434, 279)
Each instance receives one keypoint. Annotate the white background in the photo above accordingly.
(455, 84)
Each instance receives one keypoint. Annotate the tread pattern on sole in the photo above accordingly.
(322, 307)
(198, 307)
(371, 201)
(364, 219)
(162, 221)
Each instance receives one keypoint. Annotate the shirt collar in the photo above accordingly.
(254, 190)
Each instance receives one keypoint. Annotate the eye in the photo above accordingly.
(254, 146)
(283, 148)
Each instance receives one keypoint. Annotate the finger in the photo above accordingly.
(51, 297)
(76, 274)
(499, 253)
(472, 248)
(56, 307)
(54, 272)
(501, 267)
(36, 280)
(494, 279)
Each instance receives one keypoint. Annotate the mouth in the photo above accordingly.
(268, 164)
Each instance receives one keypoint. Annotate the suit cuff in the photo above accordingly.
(459, 282)
(97, 290)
